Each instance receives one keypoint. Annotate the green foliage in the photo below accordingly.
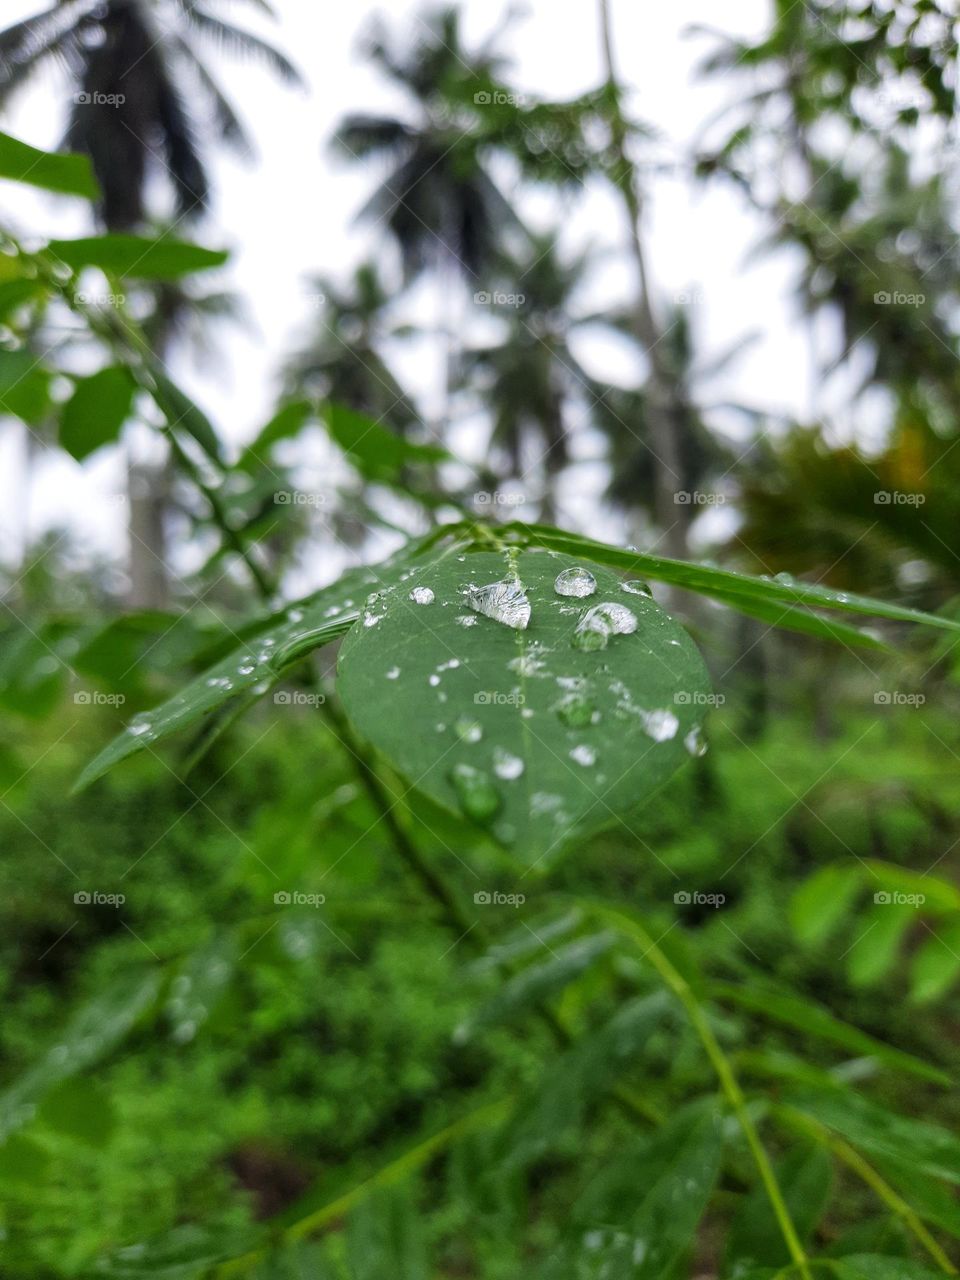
(68, 175)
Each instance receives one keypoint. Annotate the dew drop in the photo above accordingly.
(584, 755)
(422, 595)
(600, 623)
(503, 601)
(468, 730)
(636, 587)
(575, 710)
(247, 669)
(393, 673)
(695, 742)
(139, 728)
(661, 726)
(506, 765)
(478, 797)
(434, 680)
(575, 582)
(466, 620)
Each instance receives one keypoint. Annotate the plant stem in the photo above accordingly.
(721, 1065)
(800, 1122)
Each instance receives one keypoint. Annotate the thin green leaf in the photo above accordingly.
(69, 175)
(141, 257)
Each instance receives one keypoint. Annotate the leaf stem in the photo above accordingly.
(721, 1065)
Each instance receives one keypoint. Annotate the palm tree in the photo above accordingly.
(530, 378)
(138, 81)
(341, 359)
(439, 201)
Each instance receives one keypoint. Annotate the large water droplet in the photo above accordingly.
(575, 582)
(695, 742)
(504, 602)
(506, 765)
(422, 595)
(636, 587)
(478, 797)
(661, 726)
(600, 623)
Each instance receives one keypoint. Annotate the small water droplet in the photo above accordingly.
(636, 587)
(468, 730)
(584, 755)
(139, 727)
(575, 710)
(434, 680)
(600, 623)
(503, 601)
(422, 595)
(478, 797)
(575, 582)
(371, 619)
(295, 615)
(525, 664)
(393, 673)
(506, 765)
(246, 669)
(466, 620)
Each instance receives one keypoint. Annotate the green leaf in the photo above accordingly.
(658, 1192)
(557, 1103)
(822, 901)
(874, 1266)
(185, 1253)
(24, 386)
(931, 1149)
(96, 412)
(734, 589)
(69, 175)
(184, 414)
(811, 1019)
(141, 257)
(256, 662)
(94, 1029)
(801, 620)
(377, 453)
(936, 964)
(288, 421)
(536, 982)
(805, 1177)
(874, 952)
(521, 730)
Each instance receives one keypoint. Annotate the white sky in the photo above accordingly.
(291, 214)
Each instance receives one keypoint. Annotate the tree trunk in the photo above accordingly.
(662, 420)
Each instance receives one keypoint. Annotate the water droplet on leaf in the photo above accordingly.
(506, 765)
(575, 582)
(503, 601)
(422, 595)
(478, 797)
(636, 587)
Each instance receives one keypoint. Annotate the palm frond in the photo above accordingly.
(245, 44)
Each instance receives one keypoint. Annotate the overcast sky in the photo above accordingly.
(291, 212)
